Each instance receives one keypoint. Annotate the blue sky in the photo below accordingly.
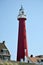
(9, 10)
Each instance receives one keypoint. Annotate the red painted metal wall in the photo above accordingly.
(22, 41)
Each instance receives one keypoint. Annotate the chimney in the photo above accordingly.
(3, 42)
(31, 56)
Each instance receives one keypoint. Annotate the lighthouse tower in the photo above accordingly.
(22, 50)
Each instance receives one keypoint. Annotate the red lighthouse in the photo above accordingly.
(22, 50)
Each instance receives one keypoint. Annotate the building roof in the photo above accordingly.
(3, 47)
(36, 59)
(33, 59)
(40, 56)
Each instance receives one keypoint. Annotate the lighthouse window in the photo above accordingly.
(22, 12)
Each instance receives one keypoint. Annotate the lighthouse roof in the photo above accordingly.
(21, 13)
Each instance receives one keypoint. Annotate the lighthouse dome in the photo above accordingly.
(21, 13)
